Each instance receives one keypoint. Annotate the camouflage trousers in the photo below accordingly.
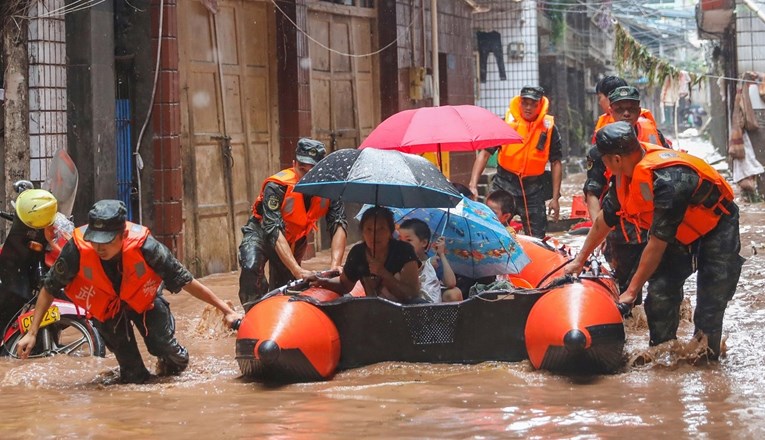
(717, 260)
(532, 210)
(254, 252)
(157, 327)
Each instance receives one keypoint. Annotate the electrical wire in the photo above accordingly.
(320, 44)
(78, 5)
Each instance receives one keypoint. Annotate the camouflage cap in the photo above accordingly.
(106, 220)
(624, 93)
(309, 151)
(532, 92)
(616, 138)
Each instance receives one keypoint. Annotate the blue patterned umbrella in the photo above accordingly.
(477, 244)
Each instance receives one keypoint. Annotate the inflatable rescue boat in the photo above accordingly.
(298, 333)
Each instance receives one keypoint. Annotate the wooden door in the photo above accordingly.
(229, 123)
(344, 93)
(344, 98)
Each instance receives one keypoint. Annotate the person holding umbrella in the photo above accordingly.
(521, 167)
(278, 229)
(386, 267)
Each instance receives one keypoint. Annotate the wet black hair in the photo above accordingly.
(607, 84)
(419, 227)
(380, 212)
(503, 199)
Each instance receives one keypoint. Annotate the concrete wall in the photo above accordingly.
(413, 50)
(90, 88)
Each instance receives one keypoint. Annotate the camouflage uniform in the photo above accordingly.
(715, 256)
(258, 245)
(156, 326)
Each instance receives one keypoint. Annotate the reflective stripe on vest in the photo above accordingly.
(92, 290)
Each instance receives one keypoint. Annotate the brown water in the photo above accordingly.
(77, 398)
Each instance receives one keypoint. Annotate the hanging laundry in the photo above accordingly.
(490, 42)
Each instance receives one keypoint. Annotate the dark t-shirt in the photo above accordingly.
(399, 253)
(157, 256)
(673, 188)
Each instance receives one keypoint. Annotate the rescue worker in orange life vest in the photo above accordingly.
(687, 207)
(116, 270)
(623, 104)
(521, 167)
(278, 228)
(624, 244)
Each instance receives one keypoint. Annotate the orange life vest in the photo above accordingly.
(527, 159)
(298, 222)
(92, 290)
(606, 119)
(603, 120)
(646, 133)
(636, 196)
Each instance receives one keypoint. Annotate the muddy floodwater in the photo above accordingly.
(667, 395)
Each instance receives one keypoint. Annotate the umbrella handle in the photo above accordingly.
(443, 228)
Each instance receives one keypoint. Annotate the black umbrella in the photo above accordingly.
(380, 177)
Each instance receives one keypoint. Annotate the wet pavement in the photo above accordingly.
(75, 398)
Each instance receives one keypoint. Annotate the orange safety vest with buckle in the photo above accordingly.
(92, 290)
(298, 222)
(636, 196)
(530, 157)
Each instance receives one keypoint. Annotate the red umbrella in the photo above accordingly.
(445, 128)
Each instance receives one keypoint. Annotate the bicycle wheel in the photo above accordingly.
(69, 336)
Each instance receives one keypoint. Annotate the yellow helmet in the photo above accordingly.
(36, 208)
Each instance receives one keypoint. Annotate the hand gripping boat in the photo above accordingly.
(298, 333)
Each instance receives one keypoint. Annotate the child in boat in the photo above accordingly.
(417, 233)
(502, 204)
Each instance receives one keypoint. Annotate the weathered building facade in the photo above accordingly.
(182, 107)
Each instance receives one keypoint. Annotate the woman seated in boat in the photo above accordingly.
(386, 267)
